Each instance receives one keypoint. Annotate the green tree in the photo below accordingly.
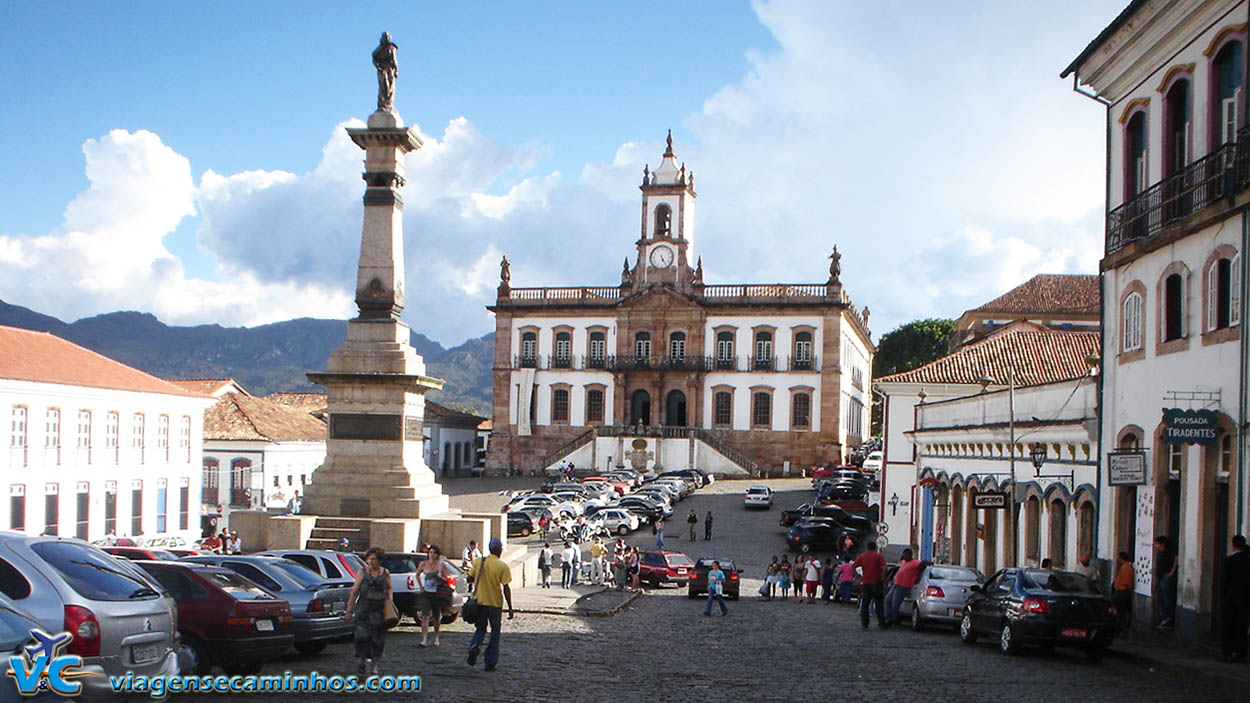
(911, 345)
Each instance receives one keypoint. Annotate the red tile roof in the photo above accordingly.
(1049, 294)
(238, 416)
(42, 357)
(206, 386)
(445, 414)
(312, 403)
(1038, 355)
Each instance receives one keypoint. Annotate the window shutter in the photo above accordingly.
(1213, 287)
(1234, 291)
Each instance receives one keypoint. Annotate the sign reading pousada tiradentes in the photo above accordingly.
(1189, 426)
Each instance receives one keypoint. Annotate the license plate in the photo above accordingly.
(681, 572)
(338, 606)
(1074, 633)
(264, 625)
(144, 654)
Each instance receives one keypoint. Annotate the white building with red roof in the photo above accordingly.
(95, 447)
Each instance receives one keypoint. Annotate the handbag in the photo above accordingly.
(471, 612)
(390, 613)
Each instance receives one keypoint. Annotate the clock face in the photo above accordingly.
(661, 257)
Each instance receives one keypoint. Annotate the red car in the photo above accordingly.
(617, 486)
(139, 553)
(224, 619)
(662, 566)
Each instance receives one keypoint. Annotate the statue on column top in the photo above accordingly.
(388, 68)
(505, 271)
(835, 266)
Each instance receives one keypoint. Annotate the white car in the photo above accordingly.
(544, 501)
(872, 463)
(759, 497)
(616, 520)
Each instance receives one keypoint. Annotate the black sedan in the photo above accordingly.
(520, 524)
(817, 535)
(1040, 606)
(698, 580)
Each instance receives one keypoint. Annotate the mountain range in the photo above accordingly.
(263, 359)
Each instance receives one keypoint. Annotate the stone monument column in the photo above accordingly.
(375, 381)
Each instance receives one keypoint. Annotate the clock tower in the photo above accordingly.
(665, 244)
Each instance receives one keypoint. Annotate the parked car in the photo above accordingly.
(658, 566)
(338, 568)
(545, 501)
(667, 492)
(697, 584)
(859, 524)
(759, 497)
(701, 479)
(165, 542)
(520, 523)
(15, 634)
(629, 478)
(647, 511)
(181, 552)
(684, 487)
(618, 520)
(872, 462)
(540, 516)
(223, 618)
(618, 487)
(940, 594)
(142, 553)
(1040, 606)
(121, 621)
(818, 534)
(404, 586)
(316, 605)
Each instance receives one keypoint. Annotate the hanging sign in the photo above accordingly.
(1126, 468)
(1189, 426)
(989, 501)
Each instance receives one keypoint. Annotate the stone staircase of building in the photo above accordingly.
(328, 531)
(743, 462)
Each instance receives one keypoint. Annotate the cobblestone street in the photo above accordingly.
(662, 648)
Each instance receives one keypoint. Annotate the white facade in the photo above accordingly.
(88, 462)
(257, 474)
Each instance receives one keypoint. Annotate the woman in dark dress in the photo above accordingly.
(364, 607)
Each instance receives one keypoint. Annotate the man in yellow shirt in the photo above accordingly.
(597, 552)
(490, 580)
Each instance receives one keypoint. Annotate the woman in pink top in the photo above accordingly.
(846, 580)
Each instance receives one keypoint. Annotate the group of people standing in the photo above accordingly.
(227, 542)
(807, 575)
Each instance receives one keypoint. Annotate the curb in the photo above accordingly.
(633, 596)
(572, 609)
(1176, 669)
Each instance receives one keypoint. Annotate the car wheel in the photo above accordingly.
(309, 648)
(917, 622)
(967, 633)
(197, 656)
(526, 531)
(243, 669)
(1095, 653)
(622, 530)
(1008, 642)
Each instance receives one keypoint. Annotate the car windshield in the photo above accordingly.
(354, 562)
(400, 563)
(1058, 582)
(163, 555)
(955, 573)
(300, 575)
(235, 585)
(760, 490)
(95, 575)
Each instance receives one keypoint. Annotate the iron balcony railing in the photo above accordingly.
(673, 363)
(763, 363)
(1216, 176)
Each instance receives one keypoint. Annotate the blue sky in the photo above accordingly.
(187, 159)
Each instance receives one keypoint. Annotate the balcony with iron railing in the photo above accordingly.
(665, 363)
(823, 293)
(1217, 176)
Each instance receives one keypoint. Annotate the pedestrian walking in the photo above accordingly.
(364, 608)
(907, 576)
(872, 570)
(828, 576)
(848, 545)
(692, 520)
(597, 551)
(577, 563)
(566, 566)
(435, 594)
(490, 581)
(846, 579)
(715, 589)
(812, 579)
(659, 533)
(1122, 588)
(707, 527)
(1165, 580)
(544, 563)
(1235, 602)
(783, 576)
(770, 578)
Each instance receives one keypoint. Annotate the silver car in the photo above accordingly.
(939, 595)
(338, 568)
(120, 619)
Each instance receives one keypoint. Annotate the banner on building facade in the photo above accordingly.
(1144, 556)
(1189, 426)
(1126, 468)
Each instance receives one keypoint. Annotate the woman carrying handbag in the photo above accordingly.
(435, 597)
(366, 606)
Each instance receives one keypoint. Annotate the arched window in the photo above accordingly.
(725, 349)
(594, 406)
(803, 350)
(1058, 534)
(762, 410)
(1032, 530)
(560, 405)
(677, 346)
(642, 346)
(1223, 293)
(1176, 111)
(210, 481)
(1226, 89)
(724, 409)
(598, 349)
(564, 350)
(529, 348)
(1132, 322)
(763, 349)
(1085, 528)
(1135, 155)
(801, 411)
(663, 220)
(1173, 307)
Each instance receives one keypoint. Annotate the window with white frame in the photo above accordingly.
(136, 436)
(642, 345)
(184, 436)
(1223, 293)
(17, 431)
(162, 436)
(724, 345)
(1132, 321)
(677, 345)
(112, 432)
(598, 346)
(84, 431)
(52, 431)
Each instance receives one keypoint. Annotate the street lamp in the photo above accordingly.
(1037, 453)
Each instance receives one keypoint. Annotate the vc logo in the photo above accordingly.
(41, 666)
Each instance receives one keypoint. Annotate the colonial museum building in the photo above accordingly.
(664, 370)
